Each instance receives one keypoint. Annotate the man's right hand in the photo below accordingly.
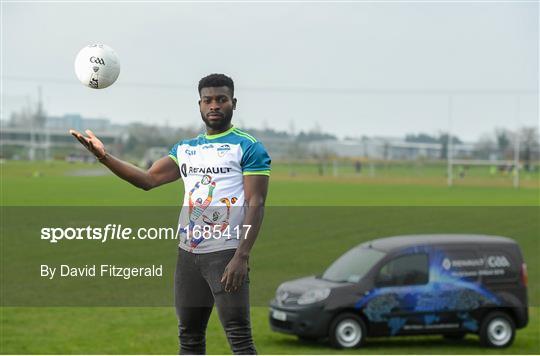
(164, 170)
(92, 143)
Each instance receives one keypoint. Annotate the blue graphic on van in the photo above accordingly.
(468, 322)
(395, 324)
(444, 292)
(430, 319)
(378, 308)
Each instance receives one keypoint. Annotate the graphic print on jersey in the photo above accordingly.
(202, 214)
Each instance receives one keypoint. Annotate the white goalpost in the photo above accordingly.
(451, 162)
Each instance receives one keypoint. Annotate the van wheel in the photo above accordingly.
(497, 330)
(347, 331)
(455, 336)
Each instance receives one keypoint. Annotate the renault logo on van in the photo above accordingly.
(446, 264)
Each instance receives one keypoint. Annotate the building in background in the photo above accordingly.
(33, 135)
(387, 148)
(26, 137)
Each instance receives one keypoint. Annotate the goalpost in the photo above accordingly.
(514, 164)
(451, 162)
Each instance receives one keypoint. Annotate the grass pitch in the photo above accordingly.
(152, 330)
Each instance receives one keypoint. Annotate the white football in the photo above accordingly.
(97, 66)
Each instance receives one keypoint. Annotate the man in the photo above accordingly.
(225, 173)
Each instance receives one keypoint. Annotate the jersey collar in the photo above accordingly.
(224, 133)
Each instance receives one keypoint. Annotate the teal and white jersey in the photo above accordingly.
(212, 168)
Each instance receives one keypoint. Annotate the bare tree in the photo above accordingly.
(503, 141)
(530, 145)
(485, 147)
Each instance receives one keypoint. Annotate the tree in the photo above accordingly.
(529, 145)
(503, 141)
(485, 147)
(421, 138)
(443, 140)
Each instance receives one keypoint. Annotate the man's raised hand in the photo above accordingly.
(164, 170)
(92, 143)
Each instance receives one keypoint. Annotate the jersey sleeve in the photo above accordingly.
(255, 160)
(173, 153)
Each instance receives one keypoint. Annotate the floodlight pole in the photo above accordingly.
(449, 147)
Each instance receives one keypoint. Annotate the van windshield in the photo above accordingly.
(353, 265)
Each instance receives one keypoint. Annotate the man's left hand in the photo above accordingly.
(235, 274)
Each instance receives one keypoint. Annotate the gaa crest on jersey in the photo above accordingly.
(223, 149)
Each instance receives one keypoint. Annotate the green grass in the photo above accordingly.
(119, 330)
(60, 183)
(153, 331)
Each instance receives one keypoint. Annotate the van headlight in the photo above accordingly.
(314, 296)
(281, 294)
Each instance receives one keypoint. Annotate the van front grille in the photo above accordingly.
(287, 325)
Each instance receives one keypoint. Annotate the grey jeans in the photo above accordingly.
(197, 286)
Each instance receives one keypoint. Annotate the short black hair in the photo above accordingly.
(216, 80)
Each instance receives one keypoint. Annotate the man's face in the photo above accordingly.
(217, 105)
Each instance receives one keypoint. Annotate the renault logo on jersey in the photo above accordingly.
(97, 60)
(184, 170)
(222, 150)
(208, 170)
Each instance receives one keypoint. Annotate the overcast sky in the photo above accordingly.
(350, 68)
